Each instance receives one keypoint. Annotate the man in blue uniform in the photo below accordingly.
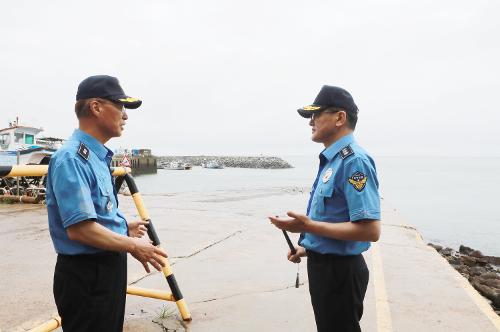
(89, 233)
(342, 215)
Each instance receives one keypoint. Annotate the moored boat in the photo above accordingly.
(19, 145)
(174, 165)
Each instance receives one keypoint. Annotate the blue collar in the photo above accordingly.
(92, 143)
(331, 151)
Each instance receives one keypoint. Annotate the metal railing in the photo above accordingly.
(122, 175)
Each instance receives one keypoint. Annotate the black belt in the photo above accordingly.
(318, 256)
(84, 257)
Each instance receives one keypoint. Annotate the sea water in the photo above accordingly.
(451, 201)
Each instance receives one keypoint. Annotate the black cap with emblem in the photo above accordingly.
(105, 87)
(329, 96)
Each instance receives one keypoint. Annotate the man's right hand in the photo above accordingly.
(145, 252)
(300, 252)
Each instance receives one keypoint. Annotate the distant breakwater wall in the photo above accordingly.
(264, 162)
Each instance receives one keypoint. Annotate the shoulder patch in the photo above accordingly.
(84, 151)
(346, 152)
(358, 180)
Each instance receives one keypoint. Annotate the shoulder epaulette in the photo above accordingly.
(346, 152)
(83, 151)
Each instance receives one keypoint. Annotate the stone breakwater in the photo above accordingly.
(230, 161)
(483, 272)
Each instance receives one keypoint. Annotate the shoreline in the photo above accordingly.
(481, 271)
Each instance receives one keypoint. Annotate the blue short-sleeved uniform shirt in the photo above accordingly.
(346, 189)
(80, 187)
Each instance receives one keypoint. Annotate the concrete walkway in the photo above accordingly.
(231, 268)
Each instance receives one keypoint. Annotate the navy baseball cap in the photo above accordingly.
(105, 87)
(329, 96)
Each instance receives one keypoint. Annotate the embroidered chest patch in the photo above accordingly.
(327, 175)
(358, 180)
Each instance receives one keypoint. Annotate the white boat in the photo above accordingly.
(20, 145)
(213, 164)
(175, 165)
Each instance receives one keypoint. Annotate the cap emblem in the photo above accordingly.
(128, 100)
(311, 108)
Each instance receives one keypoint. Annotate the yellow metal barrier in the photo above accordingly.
(55, 322)
(122, 174)
(23, 170)
(48, 326)
(167, 270)
(152, 293)
(41, 170)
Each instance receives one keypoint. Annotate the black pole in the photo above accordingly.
(287, 238)
(118, 182)
(293, 251)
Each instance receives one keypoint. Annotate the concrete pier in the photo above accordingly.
(231, 268)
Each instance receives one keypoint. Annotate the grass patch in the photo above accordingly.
(165, 312)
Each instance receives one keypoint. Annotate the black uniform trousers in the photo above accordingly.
(90, 291)
(337, 285)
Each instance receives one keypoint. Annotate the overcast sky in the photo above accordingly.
(226, 77)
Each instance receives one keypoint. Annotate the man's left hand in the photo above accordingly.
(137, 228)
(298, 223)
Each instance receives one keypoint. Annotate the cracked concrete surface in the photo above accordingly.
(228, 260)
(210, 245)
(231, 267)
(241, 280)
